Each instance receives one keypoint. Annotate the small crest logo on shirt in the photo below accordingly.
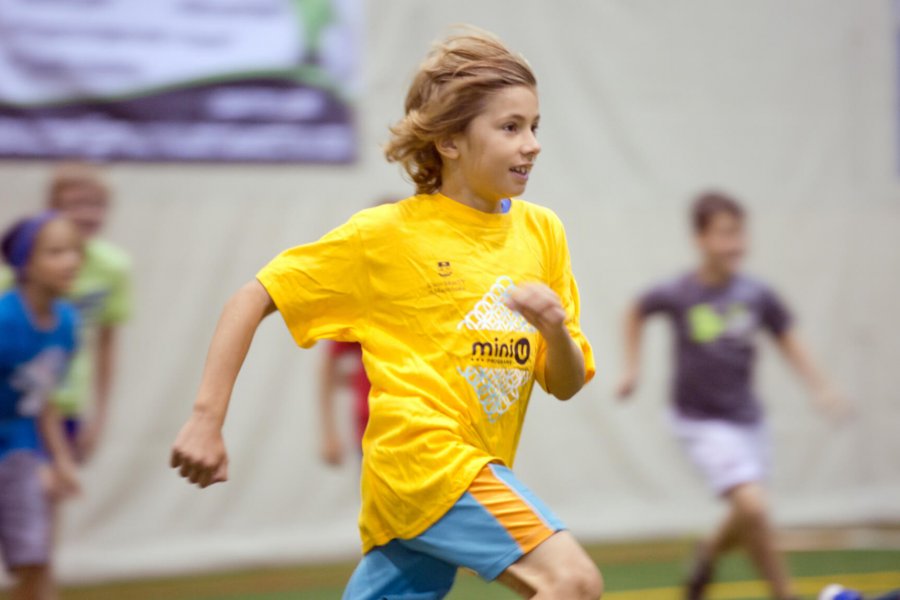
(444, 268)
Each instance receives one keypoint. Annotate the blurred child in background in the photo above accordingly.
(101, 295)
(37, 342)
(342, 367)
(716, 312)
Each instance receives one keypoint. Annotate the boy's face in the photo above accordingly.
(723, 243)
(499, 147)
(56, 258)
(85, 205)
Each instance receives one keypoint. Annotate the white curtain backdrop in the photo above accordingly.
(791, 106)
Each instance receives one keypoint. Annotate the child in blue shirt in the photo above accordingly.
(37, 339)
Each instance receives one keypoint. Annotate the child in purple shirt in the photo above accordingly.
(716, 312)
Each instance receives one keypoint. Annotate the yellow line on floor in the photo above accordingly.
(808, 586)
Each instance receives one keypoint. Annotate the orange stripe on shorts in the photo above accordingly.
(513, 512)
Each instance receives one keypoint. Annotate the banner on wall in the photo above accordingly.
(180, 80)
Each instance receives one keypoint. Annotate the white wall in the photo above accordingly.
(789, 105)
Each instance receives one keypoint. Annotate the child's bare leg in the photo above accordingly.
(708, 551)
(751, 516)
(726, 536)
(558, 568)
(33, 583)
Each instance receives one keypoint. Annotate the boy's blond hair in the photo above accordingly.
(449, 90)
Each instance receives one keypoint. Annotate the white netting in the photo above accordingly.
(497, 389)
(491, 314)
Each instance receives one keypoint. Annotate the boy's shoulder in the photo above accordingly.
(538, 212)
(688, 284)
(681, 282)
(678, 291)
(752, 287)
(752, 280)
(540, 222)
(380, 215)
(387, 218)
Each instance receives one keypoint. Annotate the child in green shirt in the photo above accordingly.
(102, 296)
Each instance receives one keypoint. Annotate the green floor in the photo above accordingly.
(631, 571)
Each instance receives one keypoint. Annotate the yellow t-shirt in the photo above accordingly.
(419, 285)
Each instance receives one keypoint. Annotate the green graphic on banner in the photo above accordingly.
(172, 80)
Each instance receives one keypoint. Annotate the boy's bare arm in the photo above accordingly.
(65, 473)
(199, 450)
(633, 329)
(105, 367)
(565, 371)
(824, 394)
(106, 362)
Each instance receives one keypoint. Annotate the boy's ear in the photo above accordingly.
(447, 148)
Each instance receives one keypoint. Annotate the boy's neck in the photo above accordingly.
(40, 303)
(464, 195)
(712, 276)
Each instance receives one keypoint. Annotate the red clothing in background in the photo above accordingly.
(358, 380)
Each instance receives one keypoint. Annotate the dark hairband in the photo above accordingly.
(19, 241)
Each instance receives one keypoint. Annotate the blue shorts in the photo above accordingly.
(497, 521)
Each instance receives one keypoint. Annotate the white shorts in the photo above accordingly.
(728, 454)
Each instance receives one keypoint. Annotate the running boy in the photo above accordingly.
(37, 341)
(461, 297)
(101, 295)
(716, 311)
